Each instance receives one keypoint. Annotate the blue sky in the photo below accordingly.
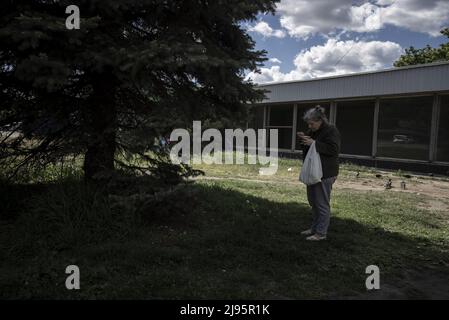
(329, 37)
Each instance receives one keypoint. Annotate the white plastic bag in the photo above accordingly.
(311, 171)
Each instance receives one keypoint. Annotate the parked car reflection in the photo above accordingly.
(402, 138)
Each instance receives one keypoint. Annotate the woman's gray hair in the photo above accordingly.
(315, 114)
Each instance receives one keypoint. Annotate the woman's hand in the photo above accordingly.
(307, 140)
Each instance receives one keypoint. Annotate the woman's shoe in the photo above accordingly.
(316, 237)
(307, 232)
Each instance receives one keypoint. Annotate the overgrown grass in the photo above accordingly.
(230, 238)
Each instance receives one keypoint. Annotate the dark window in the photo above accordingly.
(355, 123)
(284, 138)
(404, 128)
(281, 115)
(443, 131)
(301, 125)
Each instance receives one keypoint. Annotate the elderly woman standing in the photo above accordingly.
(327, 143)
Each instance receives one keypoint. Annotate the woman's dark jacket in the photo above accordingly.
(327, 142)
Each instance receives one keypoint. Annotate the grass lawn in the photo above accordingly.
(230, 234)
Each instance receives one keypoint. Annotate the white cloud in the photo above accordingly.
(385, 2)
(264, 29)
(428, 16)
(266, 75)
(275, 60)
(365, 18)
(334, 58)
(304, 18)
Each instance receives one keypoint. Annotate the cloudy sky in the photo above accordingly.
(317, 38)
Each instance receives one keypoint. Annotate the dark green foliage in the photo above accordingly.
(427, 54)
(133, 71)
(172, 173)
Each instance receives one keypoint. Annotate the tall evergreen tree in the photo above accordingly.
(133, 71)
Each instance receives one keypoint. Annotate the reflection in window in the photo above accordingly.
(443, 131)
(355, 123)
(301, 125)
(404, 128)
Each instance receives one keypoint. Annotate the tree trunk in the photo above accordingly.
(101, 119)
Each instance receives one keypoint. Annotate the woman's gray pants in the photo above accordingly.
(319, 196)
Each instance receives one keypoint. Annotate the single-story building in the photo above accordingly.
(396, 118)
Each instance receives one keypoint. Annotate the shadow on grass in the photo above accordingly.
(197, 242)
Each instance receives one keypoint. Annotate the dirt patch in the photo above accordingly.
(436, 191)
(426, 187)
